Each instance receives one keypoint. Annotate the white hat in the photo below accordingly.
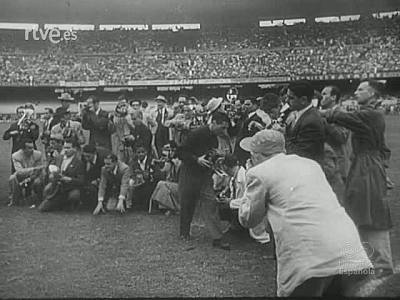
(266, 141)
(213, 104)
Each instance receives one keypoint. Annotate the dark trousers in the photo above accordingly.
(89, 196)
(161, 138)
(337, 285)
(141, 195)
(191, 189)
(61, 200)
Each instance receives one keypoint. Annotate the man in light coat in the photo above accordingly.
(318, 248)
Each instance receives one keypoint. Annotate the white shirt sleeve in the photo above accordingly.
(253, 207)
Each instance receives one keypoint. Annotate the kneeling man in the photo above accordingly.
(318, 248)
(28, 164)
(114, 183)
(66, 181)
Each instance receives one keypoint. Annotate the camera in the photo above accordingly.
(128, 141)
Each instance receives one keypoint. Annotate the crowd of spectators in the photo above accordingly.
(363, 46)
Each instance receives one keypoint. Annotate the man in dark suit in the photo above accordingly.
(93, 160)
(66, 100)
(254, 115)
(305, 130)
(142, 185)
(114, 183)
(141, 134)
(49, 122)
(64, 189)
(22, 129)
(195, 178)
(159, 116)
(99, 124)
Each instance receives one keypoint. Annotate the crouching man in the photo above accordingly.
(27, 178)
(318, 248)
(114, 185)
(66, 179)
(93, 161)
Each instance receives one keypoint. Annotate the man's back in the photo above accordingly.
(316, 237)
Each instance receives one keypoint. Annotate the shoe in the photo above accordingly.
(10, 204)
(381, 272)
(188, 243)
(32, 206)
(220, 244)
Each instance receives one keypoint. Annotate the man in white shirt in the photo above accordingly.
(318, 248)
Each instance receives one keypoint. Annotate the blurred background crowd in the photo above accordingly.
(367, 45)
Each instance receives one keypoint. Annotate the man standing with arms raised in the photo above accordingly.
(99, 124)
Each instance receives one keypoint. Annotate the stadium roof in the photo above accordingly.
(180, 11)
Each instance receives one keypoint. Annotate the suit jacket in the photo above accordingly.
(93, 171)
(119, 181)
(31, 133)
(100, 127)
(75, 170)
(244, 132)
(23, 164)
(338, 137)
(306, 138)
(311, 226)
(142, 135)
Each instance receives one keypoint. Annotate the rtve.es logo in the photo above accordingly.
(54, 35)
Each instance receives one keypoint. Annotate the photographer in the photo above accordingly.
(93, 160)
(66, 181)
(98, 122)
(22, 129)
(123, 139)
(166, 192)
(143, 182)
(254, 115)
(195, 178)
(68, 128)
(28, 165)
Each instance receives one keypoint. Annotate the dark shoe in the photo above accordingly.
(220, 244)
(188, 245)
(381, 272)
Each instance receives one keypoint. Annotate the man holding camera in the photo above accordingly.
(66, 181)
(195, 178)
(23, 128)
(28, 165)
(93, 161)
(68, 128)
(98, 122)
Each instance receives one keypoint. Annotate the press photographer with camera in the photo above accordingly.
(64, 189)
(68, 128)
(195, 178)
(165, 194)
(123, 139)
(23, 128)
(98, 122)
(29, 165)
